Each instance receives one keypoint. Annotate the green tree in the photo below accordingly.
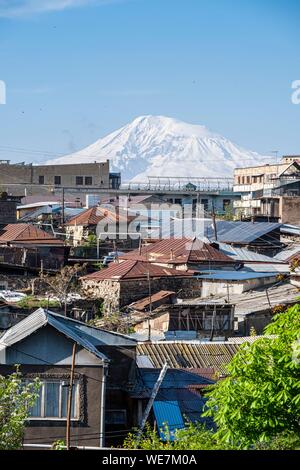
(16, 398)
(260, 399)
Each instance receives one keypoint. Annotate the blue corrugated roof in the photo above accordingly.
(167, 413)
(235, 275)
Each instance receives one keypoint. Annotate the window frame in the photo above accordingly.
(55, 182)
(76, 180)
(118, 410)
(60, 381)
(90, 178)
(41, 179)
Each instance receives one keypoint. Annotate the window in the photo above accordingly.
(116, 417)
(3, 286)
(88, 180)
(52, 401)
(41, 179)
(226, 203)
(204, 203)
(79, 180)
(57, 180)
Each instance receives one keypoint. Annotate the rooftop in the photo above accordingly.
(189, 355)
(132, 269)
(95, 214)
(180, 251)
(26, 233)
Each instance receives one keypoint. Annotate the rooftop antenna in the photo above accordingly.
(275, 152)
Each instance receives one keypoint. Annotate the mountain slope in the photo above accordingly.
(162, 146)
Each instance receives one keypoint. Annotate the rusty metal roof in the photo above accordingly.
(26, 233)
(95, 214)
(145, 302)
(179, 251)
(132, 269)
(189, 355)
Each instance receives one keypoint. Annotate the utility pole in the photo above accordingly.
(214, 222)
(151, 399)
(150, 306)
(70, 395)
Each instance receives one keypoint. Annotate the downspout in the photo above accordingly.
(102, 408)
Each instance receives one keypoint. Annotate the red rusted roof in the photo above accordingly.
(145, 302)
(95, 214)
(132, 269)
(26, 233)
(180, 251)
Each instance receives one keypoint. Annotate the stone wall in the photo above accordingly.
(107, 290)
(118, 294)
(15, 282)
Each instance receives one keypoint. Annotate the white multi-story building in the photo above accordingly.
(270, 192)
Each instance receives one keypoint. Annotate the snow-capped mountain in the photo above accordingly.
(162, 146)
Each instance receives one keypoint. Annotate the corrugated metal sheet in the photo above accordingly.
(26, 233)
(241, 254)
(167, 413)
(88, 337)
(24, 328)
(290, 229)
(144, 303)
(288, 254)
(180, 251)
(95, 214)
(135, 270)
(231, 232)
(283, 268)
(180, 335)
(248, 339)
(189, 354)
(235, 275)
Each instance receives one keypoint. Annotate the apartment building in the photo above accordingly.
(28, 179)
(270, 192)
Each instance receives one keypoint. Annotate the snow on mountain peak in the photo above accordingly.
(163, 146)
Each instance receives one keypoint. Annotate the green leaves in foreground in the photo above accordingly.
(260, 399)
(16, 399)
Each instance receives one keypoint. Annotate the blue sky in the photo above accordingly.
(78, 69)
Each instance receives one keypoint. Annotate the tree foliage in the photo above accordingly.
(260, 399)
(16, 398)
(257, 406)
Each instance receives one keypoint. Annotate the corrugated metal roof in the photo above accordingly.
(288, 254)
(189, 354)
(88, 337)
(143, 304)
(25, 233)
(283, 268)
(231, 232)
(235, 275)
(241, 254)
(131, 269)
(95, 214)
(167, 413)
(248, 339)
(290, 229)
(244, 232)
(180, 251)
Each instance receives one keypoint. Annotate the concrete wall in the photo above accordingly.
(46, 431)
(16, 179)
(217, 287)
(290, 210)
